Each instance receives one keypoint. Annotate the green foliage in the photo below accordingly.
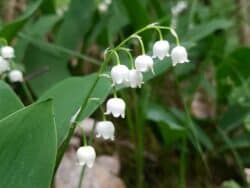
(10, 30)
(27, 159)
(169, 127)
(10, 102)
(68, 96)
(205, 29)
(233, 71)
(75, 25)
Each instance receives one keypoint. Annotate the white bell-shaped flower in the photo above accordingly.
(86, 155)
(4, 65)
(7, 52)
(161, 49)
(119, 74)
(144, 63)
(105, 129)
(15, 76)
(135, 78)
(116, 107)
(102, 7)
(179, 55)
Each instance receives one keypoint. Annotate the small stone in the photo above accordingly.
(87, 126)
(102, 175)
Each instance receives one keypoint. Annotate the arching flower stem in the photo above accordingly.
(127, 51)
(112, 51)
(172, 31)
(140, 42)
(159, 32)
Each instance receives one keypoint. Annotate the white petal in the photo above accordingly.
(143, 62)
(86, 155)
(179, 55)
(90, 164)
(105, 129)
(116, 114)
(119, 74)
(103, 7)
(135, 78)
(116, 106)
(161, 49)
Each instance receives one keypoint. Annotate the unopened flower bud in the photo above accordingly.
(16, 76)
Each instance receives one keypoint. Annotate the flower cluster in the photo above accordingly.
(104, 5)
(7, 66)
(122, 75)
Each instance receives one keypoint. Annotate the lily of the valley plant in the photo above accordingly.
(130, 77)
(120, 74)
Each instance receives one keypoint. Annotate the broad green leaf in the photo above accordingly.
(10, 30)
(38, 60)
(197, 135)
(42, 25)
(158, 114)
(28, 147)
(36, 30)
(9, 102)
(169, 128)
(75, 25)
(57, 50)
(203, 30)
(68, 96)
